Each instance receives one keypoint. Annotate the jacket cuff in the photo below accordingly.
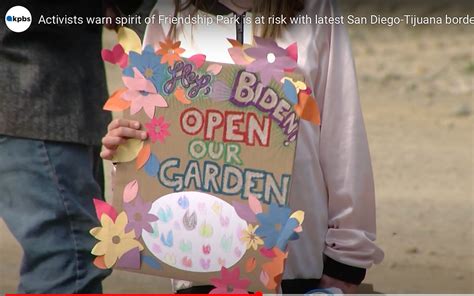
(343, 272)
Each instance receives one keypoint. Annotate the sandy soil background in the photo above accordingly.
(417, 88)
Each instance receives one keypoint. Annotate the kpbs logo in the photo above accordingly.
(18, 19)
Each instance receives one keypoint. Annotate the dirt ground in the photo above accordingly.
(417, 92)
(417, 96)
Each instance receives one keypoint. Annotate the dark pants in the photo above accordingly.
(46, 191)
(287, 286)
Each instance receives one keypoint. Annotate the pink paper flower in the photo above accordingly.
(158, 129)
(230, 282)
(142, 94)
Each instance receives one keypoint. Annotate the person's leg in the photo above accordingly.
(299, 286)
(98, 167)
(205, 289)
(46, 192)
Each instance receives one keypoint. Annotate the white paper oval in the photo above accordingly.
(205, 232)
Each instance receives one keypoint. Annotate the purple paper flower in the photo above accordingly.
(270, 60)
(138, 217)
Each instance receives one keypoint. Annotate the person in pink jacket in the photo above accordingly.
(332, 177)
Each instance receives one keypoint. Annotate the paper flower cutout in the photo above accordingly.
(152, 166)
(292, 51)
(130, 260)
(214, 69)
(142, 94)
(143, 156)
(170, 51)
(237, 53)
(99, 262)
(148, 64)
(130, 192)
(103, 208)
(152, 262)
(271, 61)
(267, 252)
(255, 204)
(273, 271)
(115, 102)
(272, 223)
(230, 282)
(298, 84)
(287, 233)
(113, 240)
(128, 151)
(180, 95)
(198, 60)
(139, 216)
(250, 264)
(290, 91)
(307, 108)
(115, 56)
(250, 238)
(129, 40)
(158, 129)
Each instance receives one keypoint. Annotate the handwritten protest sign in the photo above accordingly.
(205, 197)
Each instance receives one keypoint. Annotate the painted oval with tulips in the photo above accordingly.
(196, 232)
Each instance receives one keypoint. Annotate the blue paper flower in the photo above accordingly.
(272, 223)
(152, 166)
(287, 233)
(290, 92)
(148, 63)
(152, 262)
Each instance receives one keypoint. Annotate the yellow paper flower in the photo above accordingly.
(250, 238)
(128, 151)
(299, 85)
(129, 40)
(114, 241)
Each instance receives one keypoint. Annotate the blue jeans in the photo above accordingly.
(46, 191)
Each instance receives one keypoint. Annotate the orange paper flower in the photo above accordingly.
(170, 51)
(273, 270)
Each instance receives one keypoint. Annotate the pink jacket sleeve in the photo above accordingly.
(345, 157)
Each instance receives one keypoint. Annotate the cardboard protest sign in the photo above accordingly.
(205, 197)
